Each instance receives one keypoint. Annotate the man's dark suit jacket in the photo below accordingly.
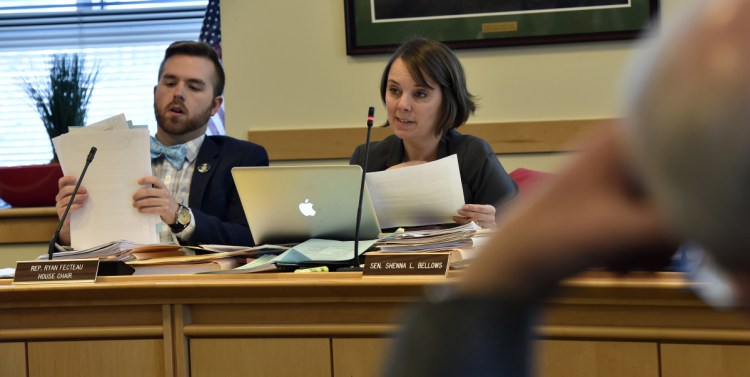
(219, 217)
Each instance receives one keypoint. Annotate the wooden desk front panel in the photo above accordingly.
(82, 322)
(96, 358)
(563, 358)
(68, 332)
(293, 335)
(701, 360)
(362, 357)
(339, 323)
(293, 319)
(260, 357)
(13, 359)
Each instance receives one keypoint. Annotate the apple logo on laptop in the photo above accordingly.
(307, 208)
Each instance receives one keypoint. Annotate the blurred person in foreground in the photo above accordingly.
(192, 188)
(423, 87)
(676, 169)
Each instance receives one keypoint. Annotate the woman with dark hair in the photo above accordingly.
(424, 91)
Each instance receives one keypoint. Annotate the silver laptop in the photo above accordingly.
(285, 204)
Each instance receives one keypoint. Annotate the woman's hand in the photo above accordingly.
(482, 214)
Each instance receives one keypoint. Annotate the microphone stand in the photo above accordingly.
(56, 235)
(356, 261)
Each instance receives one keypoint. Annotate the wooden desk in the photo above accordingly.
(338, 324)
(22, 225)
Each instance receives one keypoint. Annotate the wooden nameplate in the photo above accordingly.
(406, 264)
(56, 271)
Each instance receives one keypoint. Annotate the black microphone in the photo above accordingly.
(56, 235)
(370, 118)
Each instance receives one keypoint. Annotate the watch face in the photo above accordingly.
(183, 216)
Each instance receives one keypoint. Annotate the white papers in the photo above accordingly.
(7, 272)
(103, 251)
(416, 195)
(262, 260)
(122, 158)
(225, 248)
(318, 250)
(117, 122)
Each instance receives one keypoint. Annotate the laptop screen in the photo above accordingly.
(285, 204)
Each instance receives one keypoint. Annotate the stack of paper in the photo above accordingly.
(192, 264)
(209, 261)
(450, 239)
(147, 252)
(462, 242)
(114, 250)
(122, 158)
(260, 264)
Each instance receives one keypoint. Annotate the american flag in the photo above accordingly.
(211, 34)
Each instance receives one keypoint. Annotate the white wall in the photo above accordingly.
(288, 69)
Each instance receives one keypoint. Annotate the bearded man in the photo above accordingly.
(192, 189)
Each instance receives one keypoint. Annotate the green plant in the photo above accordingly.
(62, 98)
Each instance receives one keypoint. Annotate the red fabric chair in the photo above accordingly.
(527, 178)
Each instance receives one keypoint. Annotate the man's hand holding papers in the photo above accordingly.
(122, 159)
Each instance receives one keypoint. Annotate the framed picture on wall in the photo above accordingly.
(378, 26)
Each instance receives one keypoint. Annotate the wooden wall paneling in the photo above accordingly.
(507, 137)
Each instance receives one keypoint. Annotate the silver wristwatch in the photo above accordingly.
(182, 219)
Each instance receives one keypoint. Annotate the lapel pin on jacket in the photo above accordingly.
(204, 168)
